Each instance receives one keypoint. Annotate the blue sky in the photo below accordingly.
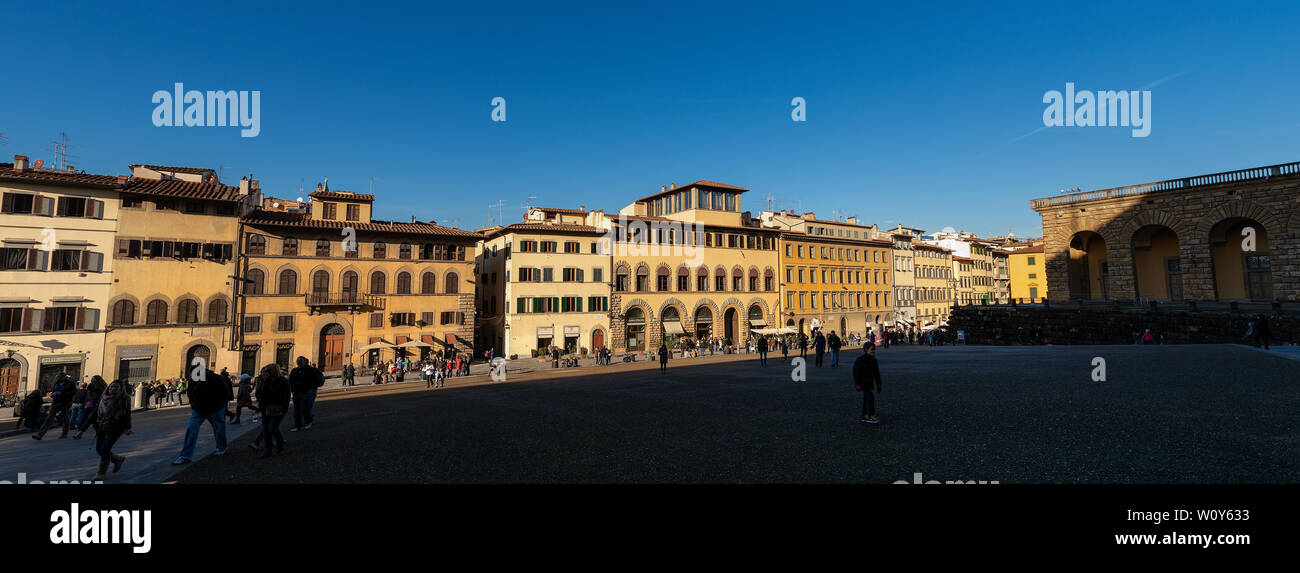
(915, 114)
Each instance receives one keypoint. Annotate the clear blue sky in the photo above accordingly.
(915, 114)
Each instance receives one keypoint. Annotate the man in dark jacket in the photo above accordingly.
(866, 372)
(209, 394)
(833, 341)
(304, 380)
(819, 344)
(60, 403)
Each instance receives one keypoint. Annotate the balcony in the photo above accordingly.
(354, 301)
(1184, 184)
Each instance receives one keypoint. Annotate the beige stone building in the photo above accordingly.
(1223, 236)
(934, 273)
(329, 281)
(172, 297)
(56, 273)
(689, 263)
(545, 282)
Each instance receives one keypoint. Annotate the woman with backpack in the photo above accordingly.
(112, 419)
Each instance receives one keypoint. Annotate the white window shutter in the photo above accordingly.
(38, 320)
(96, 262)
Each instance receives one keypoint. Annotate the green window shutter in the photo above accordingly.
(579, 301)
(519, 305)
(555, 302)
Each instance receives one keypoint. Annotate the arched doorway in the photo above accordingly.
(331, 347)
(1089, 272)
(755, 317)
(597, 339)
(636, 329)
(703, 324)
(729, 325)
(843, 325)
(198, 351)
(1157, 266)
(10, 373)
(671, 321)
(1242, 266)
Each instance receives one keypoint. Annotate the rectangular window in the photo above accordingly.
(354, 212)
(598, 274)
(528, 246)
(331, 211)
(571, 247)
(284, 323)
(548, 246)
(376, 320)
(548, 274)
(252, 324)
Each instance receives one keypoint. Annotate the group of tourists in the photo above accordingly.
(171, 392)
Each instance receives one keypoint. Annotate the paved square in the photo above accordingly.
(1165, 414)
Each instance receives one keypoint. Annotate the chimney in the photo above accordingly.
(810, 215)
(318, 186)
(243, 185)
(582, 208)
(121, 181)
(20, 163)
(672, 186)
(852, 220)
(663, 188)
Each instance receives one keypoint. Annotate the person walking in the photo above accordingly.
(866, 372)
(273, 398)
(820, 346)
(1261, 331)
(803, 345)
(77, 410)
(663, 358)
(112, 420)
(60, 405)
(209, 395)
(833, 342)
(244, 398)
(304, 380)
(350, 375)
(762, 351)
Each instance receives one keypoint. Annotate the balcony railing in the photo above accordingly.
(352, 299)
(1186, 183)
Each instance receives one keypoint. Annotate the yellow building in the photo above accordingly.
(1028, 274)
(174, 265)
(329, 281)
(57, 228)
(688, 263)
(934, 283)
(836, 274)
(545, 282)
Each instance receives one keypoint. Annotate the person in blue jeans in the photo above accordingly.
(273, 398)
(833, 342)
(111, 417)
(304, 380)
(209, 395)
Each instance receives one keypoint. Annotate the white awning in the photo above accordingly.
(674, 327)
(545, 331)
(757, 322)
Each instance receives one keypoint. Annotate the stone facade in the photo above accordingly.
(1191, 208)
(1000, 324)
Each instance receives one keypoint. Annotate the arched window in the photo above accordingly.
(427, 283)
(378, 282)
(322, 247)
(404, 251)
(320, 282)
(123, 313)
(636, 329)
(290, 247)
(642, 278)
(156, 312)
(381, 250)
(187, 312)
(403, 283)
(349, 285)
(256, 278)
(256, 244)
(453, 283)
(288, 282)
(217, 311)
(702, 279)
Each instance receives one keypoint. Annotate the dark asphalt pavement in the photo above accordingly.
(1165, 414)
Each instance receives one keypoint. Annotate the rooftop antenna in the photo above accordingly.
(501, 212)
(3, 140)
(61, 155)
(771, 202)
(372, 184)
(221, 171)
(301, 181)
(528, 205)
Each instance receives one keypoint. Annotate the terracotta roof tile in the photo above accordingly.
(182, 189)
(554, 227)
(700, 183)
(302, 220)
(52, 177)
(343, 196)
(173, 169)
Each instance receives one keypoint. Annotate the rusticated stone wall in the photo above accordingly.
(998, 325)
